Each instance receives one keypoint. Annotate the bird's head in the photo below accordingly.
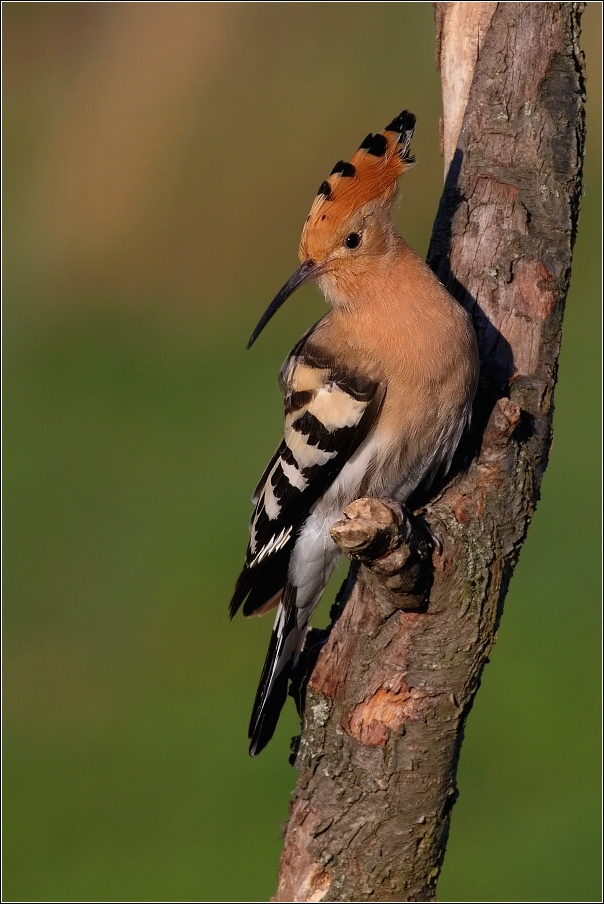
(349, 221)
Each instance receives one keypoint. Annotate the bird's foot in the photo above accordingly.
(410, 523)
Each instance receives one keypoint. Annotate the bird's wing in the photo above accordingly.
(328, 413)
(260, 485)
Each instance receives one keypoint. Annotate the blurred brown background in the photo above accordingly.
(159, 161)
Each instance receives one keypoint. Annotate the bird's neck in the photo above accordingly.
(393, 285)
(394, 298)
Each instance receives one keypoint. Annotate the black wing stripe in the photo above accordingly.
(317, 435)
(357, 385)
(297, 400)
(260, 485)
(331, 422)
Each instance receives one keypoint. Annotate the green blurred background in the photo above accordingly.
(159, 161)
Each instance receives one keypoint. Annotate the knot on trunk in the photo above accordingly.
(393, 548)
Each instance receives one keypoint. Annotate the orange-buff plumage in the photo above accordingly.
(377, 396)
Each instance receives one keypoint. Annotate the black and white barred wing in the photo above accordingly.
(328, 414)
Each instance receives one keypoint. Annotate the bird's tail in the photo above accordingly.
(283, 651)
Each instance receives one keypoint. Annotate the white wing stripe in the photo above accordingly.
(335, 408)
(271, 504)
(273, 545)
(307, 456)
(294, 476)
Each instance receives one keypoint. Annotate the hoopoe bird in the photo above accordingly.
(377, 396)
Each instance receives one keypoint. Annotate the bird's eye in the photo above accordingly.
(353, 240)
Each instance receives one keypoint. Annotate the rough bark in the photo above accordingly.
(460, 28)
(386, 701)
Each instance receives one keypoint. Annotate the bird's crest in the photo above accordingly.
(372, 173)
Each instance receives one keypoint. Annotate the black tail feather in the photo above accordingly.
(282, 655)
(255, 586)
(264, 722)
(268, 583)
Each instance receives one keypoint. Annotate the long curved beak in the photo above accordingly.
(307, 270)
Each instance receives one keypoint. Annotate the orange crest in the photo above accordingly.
(372, 173)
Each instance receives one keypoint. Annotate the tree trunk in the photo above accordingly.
(386, 703)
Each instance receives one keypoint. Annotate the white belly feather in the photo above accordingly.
(315, 554)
